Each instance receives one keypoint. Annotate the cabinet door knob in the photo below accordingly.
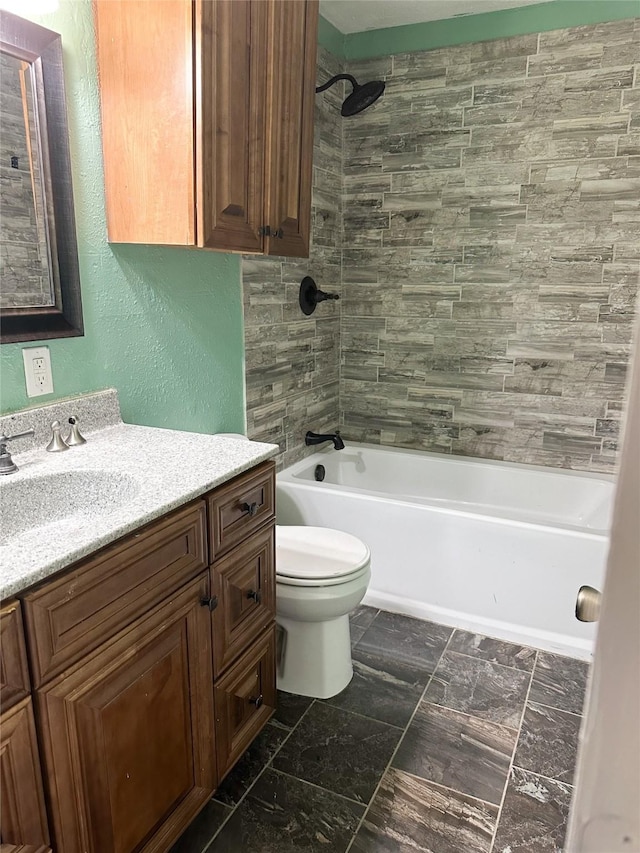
(251, 508)
(210, 602)
(255, 595)
(256, 700)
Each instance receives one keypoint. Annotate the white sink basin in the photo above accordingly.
(79, 496)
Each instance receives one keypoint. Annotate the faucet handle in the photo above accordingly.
(7, 465)
(5, 438)
(75, 436)
(57, 442)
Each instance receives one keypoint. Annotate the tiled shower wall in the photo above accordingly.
(292, 361)
(492, 245)
(490, 256)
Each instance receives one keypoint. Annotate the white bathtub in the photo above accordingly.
(492, 547)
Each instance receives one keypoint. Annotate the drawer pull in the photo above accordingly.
(257, 701)
(255, 595)
(210, 602)
(252, 508)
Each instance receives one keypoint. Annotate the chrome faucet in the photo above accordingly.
(7, 465)
(317, 438)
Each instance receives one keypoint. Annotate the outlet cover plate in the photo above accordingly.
(37, 371)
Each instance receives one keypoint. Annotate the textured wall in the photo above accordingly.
(292, 361)
(491, 260)
(164, 326)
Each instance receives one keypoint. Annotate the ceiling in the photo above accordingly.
(355, 16)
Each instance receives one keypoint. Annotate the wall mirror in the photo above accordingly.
(40, 282)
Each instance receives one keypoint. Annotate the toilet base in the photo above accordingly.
(317, 657)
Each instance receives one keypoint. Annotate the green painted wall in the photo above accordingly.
(331, 38)
(163, 326)
(541, 17)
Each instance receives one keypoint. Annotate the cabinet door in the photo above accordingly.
(230, 58)
(23, 818)
(292, 78)
(146, 92)
(128, 733)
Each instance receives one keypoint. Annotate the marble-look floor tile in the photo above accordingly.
(534, 815)
(261, 751)
(359, 621)
(340, 751)
(464, 753)
(198, 836)
(363, 616)
(495, 651)
(289, 708)
(559, 682)
(285, 815)
(548, 742)
(479, 687)
(409, 814)
(382, 688)
(413, 642)
(356, 634)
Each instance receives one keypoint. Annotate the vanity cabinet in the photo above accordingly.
(207, 121)
(153, 666)
(23, 818)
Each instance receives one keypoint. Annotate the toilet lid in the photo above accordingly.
(318, 553)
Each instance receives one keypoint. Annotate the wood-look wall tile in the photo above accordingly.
(567, 58)
(438, 241)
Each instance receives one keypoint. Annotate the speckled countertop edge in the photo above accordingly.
(161, 470)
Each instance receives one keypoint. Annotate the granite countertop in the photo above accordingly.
(124, 477)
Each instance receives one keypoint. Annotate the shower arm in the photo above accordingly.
(335, 79)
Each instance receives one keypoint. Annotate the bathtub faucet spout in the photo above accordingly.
(316, 438)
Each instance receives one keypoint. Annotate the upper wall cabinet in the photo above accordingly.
(207, 122)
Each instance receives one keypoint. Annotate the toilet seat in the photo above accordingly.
(318, 556)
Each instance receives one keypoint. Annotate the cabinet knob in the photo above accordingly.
(251, 508)
(210, 602)
(255, 595)
(256, 700)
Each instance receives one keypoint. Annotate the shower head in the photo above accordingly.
(360, 98)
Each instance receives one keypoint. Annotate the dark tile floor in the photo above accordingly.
(444, 742)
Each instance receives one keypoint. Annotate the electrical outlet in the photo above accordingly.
(37, 371)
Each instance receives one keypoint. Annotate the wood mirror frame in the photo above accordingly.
(42, 48)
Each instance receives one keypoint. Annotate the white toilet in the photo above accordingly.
(321, 576)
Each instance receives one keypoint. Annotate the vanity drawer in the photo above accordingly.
(245, 698)
(69, 617)
(14, 672)
(240, 507)
(244, 582)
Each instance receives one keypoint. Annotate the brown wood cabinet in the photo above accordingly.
(128, 732)
(207, 120)
(23, 818)
(154, 669)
